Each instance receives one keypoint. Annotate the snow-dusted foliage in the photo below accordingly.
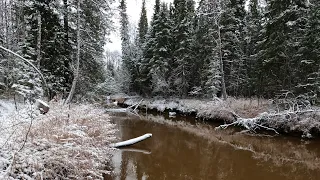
(21, 78)
(69, 142)
(251, 114)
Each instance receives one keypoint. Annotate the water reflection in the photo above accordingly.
(180, 150)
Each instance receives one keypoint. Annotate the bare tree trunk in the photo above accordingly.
(65, 20)
(7, 25)
(1, 20)
(6, 17)
(223, 84)
(39, 42)
(76, 71)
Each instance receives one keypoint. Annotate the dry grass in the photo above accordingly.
(248, 107)
(209, 109)
(66, 143)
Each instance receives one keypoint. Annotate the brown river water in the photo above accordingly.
(183, 148)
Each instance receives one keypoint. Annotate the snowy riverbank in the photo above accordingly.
(67, 142)
(252, 114)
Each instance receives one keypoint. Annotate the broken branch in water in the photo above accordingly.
(271, 119)
(250, 124)
(131, 141)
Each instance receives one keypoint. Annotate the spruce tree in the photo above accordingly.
(255, 34)
(148, 49)
(125, 40)
(143, 23)
(95, 25)
(279, 59)
(137, 51)
(53, 60)
(308, 75)
(207, 49)
(232, 38)
(182, 52)
(161, 52)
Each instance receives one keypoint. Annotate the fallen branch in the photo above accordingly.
(131, 141)
(250, 124)
(258, 122)
(126, 110)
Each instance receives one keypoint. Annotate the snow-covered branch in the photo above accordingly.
(31, 64)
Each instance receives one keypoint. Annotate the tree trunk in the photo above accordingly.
(76, 73)
(223, 84)
(39, 42)
(65, 20)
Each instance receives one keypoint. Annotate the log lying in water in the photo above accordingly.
(131, 141)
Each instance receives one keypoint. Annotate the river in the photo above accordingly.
(184, 148)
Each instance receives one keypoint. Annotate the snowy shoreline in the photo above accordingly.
(67, 142)
(251, 114)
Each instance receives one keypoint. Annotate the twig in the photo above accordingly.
(10, 167)
(137, 105)
(27, 134)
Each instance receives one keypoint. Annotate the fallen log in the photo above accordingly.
(131, 141)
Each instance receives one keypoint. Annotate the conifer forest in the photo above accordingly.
(160, 89)
(222, 48)
(253, 48)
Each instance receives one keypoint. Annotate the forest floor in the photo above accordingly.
(69, 142)
(254, 115)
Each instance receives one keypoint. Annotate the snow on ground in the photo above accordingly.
(252, 114)
(67, 142)
(209, 109)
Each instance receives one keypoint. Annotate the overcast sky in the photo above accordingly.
(133, 10)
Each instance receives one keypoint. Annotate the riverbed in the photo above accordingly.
(187, 148)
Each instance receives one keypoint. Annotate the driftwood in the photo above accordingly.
(131, 141)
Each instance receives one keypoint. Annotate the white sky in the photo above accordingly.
(133, 11)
